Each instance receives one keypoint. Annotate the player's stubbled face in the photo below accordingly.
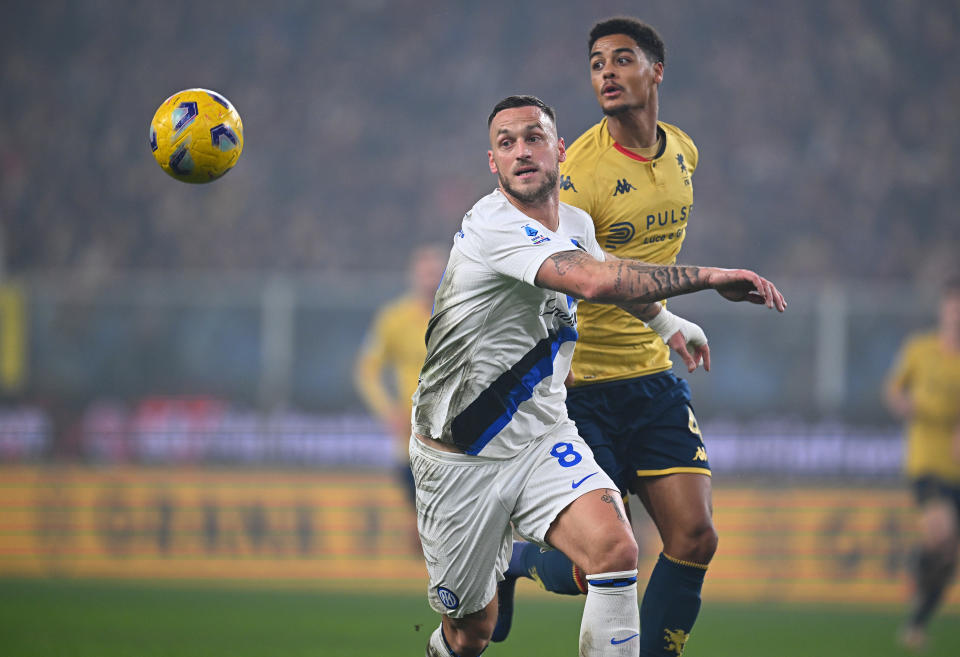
(623, 78)
(525, 153)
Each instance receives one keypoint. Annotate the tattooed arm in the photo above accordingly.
(637, 286)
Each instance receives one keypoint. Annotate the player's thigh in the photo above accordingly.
(464, 528)
(594, 531)
(647, 423)
(560, 504)
(680, 504)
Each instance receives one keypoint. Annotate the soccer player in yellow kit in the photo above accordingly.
(923, 388)
(387, 368)
(632, 174)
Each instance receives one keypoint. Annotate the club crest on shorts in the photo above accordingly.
(448, 597)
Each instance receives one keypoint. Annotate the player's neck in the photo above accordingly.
(634, 129)
(547, 212)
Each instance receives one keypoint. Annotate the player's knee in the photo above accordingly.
(469, 643)
(706, 541)
(696, 543)
(617, 553)
(468, 637)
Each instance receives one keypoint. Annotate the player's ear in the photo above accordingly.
(491, 162)
(658, 72)
(562, 149)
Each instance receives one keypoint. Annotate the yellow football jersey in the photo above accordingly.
(395, 346)
(931, 376)
(641, 209)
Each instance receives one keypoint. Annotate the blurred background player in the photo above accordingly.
(389, 362)
(632, 174)
(924, 390)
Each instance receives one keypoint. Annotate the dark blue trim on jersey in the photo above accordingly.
(478, 423)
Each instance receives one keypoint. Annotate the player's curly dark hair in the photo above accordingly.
(522, 101)
(646, 37)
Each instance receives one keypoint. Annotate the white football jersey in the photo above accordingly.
(498, 347)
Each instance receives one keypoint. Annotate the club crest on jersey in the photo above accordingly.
(535, 235)
(448, 597)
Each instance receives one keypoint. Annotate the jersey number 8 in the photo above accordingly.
(566, 455)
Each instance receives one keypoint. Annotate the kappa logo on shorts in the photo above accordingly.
(448, 597)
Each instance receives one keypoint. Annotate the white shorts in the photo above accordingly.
(465, 506)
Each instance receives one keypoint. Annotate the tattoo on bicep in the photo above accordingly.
(610, 499)
(564, 261)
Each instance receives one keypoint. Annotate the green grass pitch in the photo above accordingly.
(70, 618)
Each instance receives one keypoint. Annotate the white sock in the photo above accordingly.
(610, 626)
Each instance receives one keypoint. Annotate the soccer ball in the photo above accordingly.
(196, 135)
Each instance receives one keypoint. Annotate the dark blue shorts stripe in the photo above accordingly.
(489, 413)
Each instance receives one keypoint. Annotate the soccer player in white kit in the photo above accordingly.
(493, 450)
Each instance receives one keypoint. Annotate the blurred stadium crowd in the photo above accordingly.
(827, 135)
(827, 131)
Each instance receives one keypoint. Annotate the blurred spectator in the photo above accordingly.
(838, 151)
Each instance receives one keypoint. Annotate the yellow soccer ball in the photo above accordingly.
(196, 135)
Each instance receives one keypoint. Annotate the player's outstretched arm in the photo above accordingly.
(631, 282)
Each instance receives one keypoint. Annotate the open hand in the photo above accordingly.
(745, 285)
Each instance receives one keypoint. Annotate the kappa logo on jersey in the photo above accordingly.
(566, 183)
(623, 187)
(700, 455)
(448, 597)
(620, 233)
(535, 235)
(683, 166)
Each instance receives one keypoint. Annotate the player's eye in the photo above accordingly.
(506, 143)
(596, 65)
(623, 60)
(534, 138)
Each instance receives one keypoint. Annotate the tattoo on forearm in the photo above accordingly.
(646, 283)
(633, 281)
(610, 499)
